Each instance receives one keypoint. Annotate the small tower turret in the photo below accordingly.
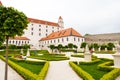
(60, 22)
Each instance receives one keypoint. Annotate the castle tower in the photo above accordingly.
(0, 3)
(60, 22)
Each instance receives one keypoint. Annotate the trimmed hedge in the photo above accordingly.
(22, 71)
(90, 63)
(81, 72)
(43, 72)
(26, 73)
(106, 66)
(112, 75)
(82, 55)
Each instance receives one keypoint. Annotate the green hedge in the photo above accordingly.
(90, 63)
(81, 72)
(106, 66)
(112, 75)
(26, 61)
(82, 55)
(26, 73)
(43, 72)
(22, 71)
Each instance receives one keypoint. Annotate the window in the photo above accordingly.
(32, 29)
(46, 34)
(28, 41)
(67, 39)
(32, 24)
(25, 42)
(74, 39)
(46, 26)
(62, 40)
(58, 40)
(16, 42)
(31, 33)
(13, 42)
(39, 25)
(52, 30)
(51, 41)
(48, 42)
(78, 39)
(46, 30)
(54, 41)
(39, 29)
(39, 34)
(52, 27)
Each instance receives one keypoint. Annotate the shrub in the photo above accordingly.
(91, 62)
(43, 72)
(81, 72)
(22, 71)
(106, 66)
(112, 75)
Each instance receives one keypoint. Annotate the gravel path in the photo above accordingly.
(60, 70)
(12, 75)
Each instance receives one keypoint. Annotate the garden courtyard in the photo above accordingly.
(64, 66)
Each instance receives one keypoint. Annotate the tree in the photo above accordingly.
(59, 47)
(52, 47)
(83, 45)
(12, 23)
(103, 46)
(70, 45)
(75, 46)
(110, 46)
(96, 46)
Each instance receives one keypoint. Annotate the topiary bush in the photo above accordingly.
(81, 72)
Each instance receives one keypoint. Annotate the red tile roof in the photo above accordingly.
(0, 3)
(43, 22)
(62, 33)
(19, 38)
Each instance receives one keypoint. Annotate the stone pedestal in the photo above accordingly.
(87, 57)
(116, 60)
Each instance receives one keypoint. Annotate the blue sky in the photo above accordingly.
(85, 16)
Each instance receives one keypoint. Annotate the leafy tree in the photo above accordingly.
(59, 47)
(83, 45)
(96, 46)
(103, 46)
(75, 46)
(52, 47)
(110, 46)
(12, 23)
(70, 45)
(26, 46)
(66, 46)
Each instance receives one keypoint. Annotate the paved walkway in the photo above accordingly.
(60, 70)
(12, 75)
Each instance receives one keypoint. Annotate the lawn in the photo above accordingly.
(93, 70)
(51, 57)
(35, 68)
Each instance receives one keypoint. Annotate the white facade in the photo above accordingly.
(37, 30)
(18, 42)
(62, 40)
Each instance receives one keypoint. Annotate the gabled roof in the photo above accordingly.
(43, 22)
(62, 33)
(19, 38)
(0, 3)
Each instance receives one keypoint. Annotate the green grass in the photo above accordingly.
(51, 57)
(93, 71)
(32, 67)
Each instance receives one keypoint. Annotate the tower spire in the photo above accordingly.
(0, 3)
(60, 22)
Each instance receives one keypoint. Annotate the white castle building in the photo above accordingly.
(41, 33)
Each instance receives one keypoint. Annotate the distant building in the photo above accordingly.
(63, 37)
(38, 29)
(102, 38)
(19, 41)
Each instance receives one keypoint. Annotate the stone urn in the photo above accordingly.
(87, 55)
(116, 56)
